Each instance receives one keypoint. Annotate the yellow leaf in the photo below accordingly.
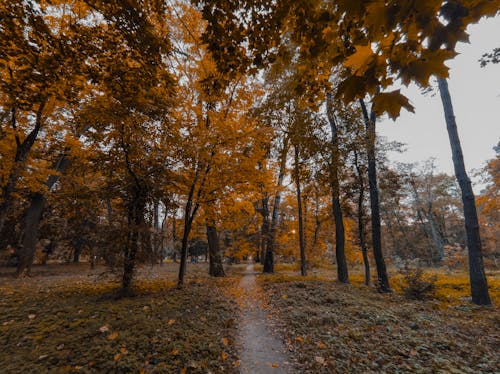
(225, 341)
(299, 339)
(123, 350)
(283, 297)
(175, 352)
(117, 356)
(224, 356)
(360, 60)
(171, 322)
(275, 365)
(113, 336)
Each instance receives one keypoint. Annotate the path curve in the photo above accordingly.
(262, 351)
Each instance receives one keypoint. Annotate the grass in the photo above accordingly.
(69, 321)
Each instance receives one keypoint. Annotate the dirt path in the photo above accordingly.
(261, 351)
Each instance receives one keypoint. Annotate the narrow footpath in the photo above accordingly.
(262, 350)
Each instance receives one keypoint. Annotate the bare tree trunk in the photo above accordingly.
(317, 221)
(382, 278)
(189, 215)
(156, 230)
(216, 269)
(264, 230)
(361, 224)
(302, 244)
(135, 223)
(271, 242)
(342, 270)
(478, 282)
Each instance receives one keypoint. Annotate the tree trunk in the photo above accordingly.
(26, 253)
(382, 278)
(361, 224)
(216, 269)
(77, 252)
(33, 217)
(156, 231)
(271, 240)
(264, 230)
(478, 282)
(135, 223)
(342, 271)
(22, 151)
(302, 244)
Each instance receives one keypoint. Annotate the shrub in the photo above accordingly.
(417, 285)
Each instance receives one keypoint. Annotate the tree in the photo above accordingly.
(342, 273)
(478, 282)
(370, 120)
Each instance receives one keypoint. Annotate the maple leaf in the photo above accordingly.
(360, 60)
(391, 103)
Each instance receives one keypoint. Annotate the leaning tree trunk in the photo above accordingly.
(361, 224)
(342, 271)
(302, 244)
(382, 278)
(478, 283)
(22, 151)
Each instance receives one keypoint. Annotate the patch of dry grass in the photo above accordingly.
(68, 321)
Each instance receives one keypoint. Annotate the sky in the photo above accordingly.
(475, 93)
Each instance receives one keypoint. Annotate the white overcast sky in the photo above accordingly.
(475, 93)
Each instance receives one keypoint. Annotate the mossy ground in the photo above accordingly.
(68, 319)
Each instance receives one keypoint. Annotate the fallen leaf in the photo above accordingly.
(183, 371)
(321, 345)
(117, 357)
(299, 339)
(224, 356)
(31, 316)
(225, 341)
(113, 336)
(123, 350)
(275, 365)
(104, 328)
(283, 297)
(319, 359)
(175, 352)
(171, 322)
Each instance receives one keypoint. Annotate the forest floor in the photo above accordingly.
(67, 318)
(335, 328)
